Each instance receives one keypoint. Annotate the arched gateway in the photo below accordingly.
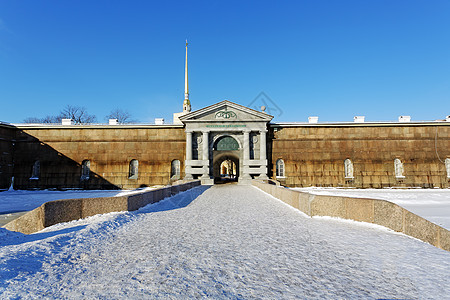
(226, 131)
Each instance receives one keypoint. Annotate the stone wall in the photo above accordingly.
(314, 154)
(58, 211)
(374, 211)
(61, 150)
(6, 155)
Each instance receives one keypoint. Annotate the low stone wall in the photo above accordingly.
(54, 212)
(374, 211)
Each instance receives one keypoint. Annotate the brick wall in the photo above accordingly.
(61, 152)
(314, 155)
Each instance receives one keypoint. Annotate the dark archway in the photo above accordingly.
(226, 159)
(220, 159)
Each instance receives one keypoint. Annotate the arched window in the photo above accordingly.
(348, 166)
(226, 143)
(133, 172)
(175, 171)
(447, 166)
(36, 171)
(85, 169)
(398, 166)
(280, 168)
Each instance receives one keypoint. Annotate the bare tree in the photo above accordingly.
(78, 114)
(121, 115)
(45, 120)
(33, 120)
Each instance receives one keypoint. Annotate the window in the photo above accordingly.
(398, 166)
(175, 169)
(36, 171)
(280, 168)
(227, 143)
(348, 166)
(85, 169)
(447, 166)
(134, 169)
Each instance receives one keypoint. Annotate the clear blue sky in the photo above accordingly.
(332, 59)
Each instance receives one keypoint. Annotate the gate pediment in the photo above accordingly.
(226, 111)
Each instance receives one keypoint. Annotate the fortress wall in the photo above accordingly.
(374, 211)
(66, 210)
(61, 151)
(314, 155)
(6, 155)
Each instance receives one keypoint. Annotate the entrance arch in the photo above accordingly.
(229, 160)
(226, 153)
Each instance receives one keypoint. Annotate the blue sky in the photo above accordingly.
(332, 59)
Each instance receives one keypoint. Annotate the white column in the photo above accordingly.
(245, 175)
(188, 145)
(188, 155)
(205, 145)
(205, 155)
(262, 145)
(263, 154)
(246, 145)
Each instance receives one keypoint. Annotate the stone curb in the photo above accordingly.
(380, 212)
(58, 211)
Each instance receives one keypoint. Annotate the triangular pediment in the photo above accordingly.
(226, 111)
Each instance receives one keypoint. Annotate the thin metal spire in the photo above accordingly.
(186, 103)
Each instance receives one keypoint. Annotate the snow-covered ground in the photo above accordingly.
(15, 203)
(225, 242)
(431, 204)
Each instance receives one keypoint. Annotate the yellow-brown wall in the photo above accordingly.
(314, 155)
(61, 152)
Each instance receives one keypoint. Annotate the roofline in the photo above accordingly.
(363, 124)
(95, 126)
(4, 124)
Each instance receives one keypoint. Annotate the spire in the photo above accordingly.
(186, 103)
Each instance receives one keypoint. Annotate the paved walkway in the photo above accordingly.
(223, 242)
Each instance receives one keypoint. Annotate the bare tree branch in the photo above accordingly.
(45, 120)
(79, 115)
(121, 115)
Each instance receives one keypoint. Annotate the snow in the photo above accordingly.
(24, 200)
(224, 242)
(431, 204)
(15, 203)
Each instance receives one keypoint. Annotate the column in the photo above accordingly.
(262, 145)
(188, 145)
(246, 163)
(188, 155)
(246, 145)
(205, 145)
(205, 154)
(263, 154)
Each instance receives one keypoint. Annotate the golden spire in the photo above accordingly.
(186, 103)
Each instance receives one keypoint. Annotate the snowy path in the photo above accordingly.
(230, 242)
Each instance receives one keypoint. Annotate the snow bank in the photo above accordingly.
(21, 200)
(431, 204)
